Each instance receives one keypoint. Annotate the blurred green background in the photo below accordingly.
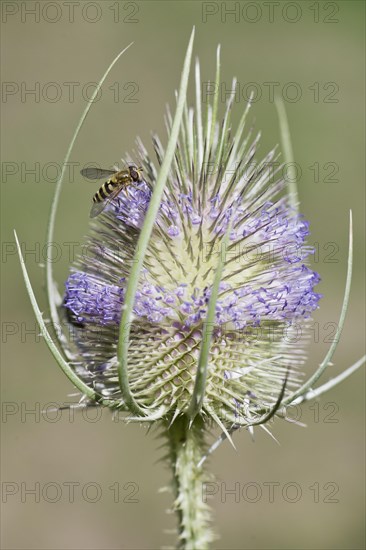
(319, 47)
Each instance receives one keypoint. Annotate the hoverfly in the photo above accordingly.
(117, 180)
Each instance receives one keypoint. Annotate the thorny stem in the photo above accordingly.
(186, 448)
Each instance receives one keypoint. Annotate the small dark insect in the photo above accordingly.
(117, 181)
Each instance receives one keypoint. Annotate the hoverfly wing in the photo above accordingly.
(98, 207)
(96, 173)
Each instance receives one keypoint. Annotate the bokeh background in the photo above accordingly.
(319, 47)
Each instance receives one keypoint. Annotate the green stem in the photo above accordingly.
(186, 442)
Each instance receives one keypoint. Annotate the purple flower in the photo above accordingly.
(266, 294)
(266, 277)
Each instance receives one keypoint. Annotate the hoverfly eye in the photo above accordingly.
(134, 175)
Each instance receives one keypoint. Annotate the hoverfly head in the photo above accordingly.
(135, 173)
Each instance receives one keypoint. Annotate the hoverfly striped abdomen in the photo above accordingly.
(105, 190)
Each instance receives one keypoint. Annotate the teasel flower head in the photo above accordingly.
(192, 304)
(223, 208)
